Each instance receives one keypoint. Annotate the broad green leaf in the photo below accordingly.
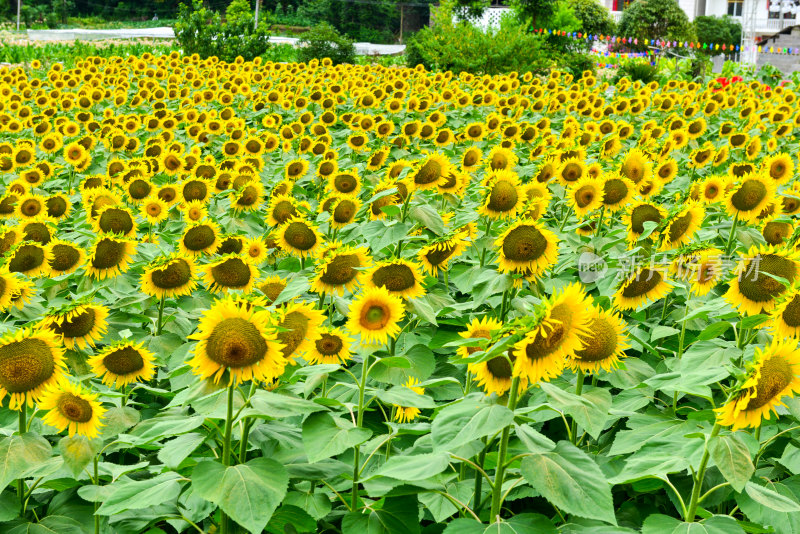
(325, 436)
(714, 330)
(411, 468)
(534, 441)
(467, 420)
(791, 458)
(118, 420)
(21, 453)
(9, 506)
(518, 524)
(397, 515)
(771, 499)
(291, 519)
(276, 405)
(718, 524)
(403, 396)
(570, 480)
(590, 410)
(733, 459)
(130, 494)
(317, 505)
(428, 217)
(158, 428)
(661, 331)
(53, 524)
(421, 365)
(249, 493)
(173, 452)
(659, 524)
(627, 441)
(77, 451)
(788, 522)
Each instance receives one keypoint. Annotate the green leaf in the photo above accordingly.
(660, 332)
(77, 451)
(52, 524)
(518, 524)
(160, 427)
(118, 420)
(421, 365)
(714, 330)
(628, 441)
(771, 499)
(403, 396)
(590, 410)
(659, 524)
(718, 524)
(325, 436)
(733, 460)
(276, 405)
(571, 480)
(318, 505)
(397, 515)
(291, 519)
(427, 217)
(173, 452)
(127, 494)
(791, 458)
(467, 420)
(411, 468)
(21, 453)
(9, 506)
(249, 493)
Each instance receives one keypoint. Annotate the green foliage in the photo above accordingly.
(656, 19)
(718, 30)
(201, 31)
(594, 18)
(637, 71)
(534, 12)
(324, 41)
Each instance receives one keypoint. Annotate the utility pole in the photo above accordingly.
(19, 8)
(258, 4)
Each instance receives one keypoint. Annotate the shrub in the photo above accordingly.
(324, 41)
(595, 19)
(656, 19)
(201, 31)
(637, 71)
(717, 30)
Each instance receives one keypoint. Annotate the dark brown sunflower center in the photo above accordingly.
(633, 170)
(344, 211)
(329, 345)
(64, 257)
(124, 361)
(791, 315)
(428, 173)
(571, 172)
(37, 232)
(440, 254)
(300, 236)
(614, 192)
(757, 285)
(139, 189)
(585, 195)
(524, 243)
(74, 408)
(296, 325)
(77, 326)
(283, 210)
(706, 273)
(116, 221)
(395, 277)
(236, 342)
(777, 170)
(775, 232)
(231, 245)
(749, 196)
(199, 238)
(108, 253)
(248, 196)
(665, 171)
(375, 316)
(176, 274)
(601, 344)
(644, 282)
(499, 161)
(503, 197)
(26, 258)
(232, 273)
(345, 183)
(272, 290)
(478, 333)
(642, 214)
(31, 207)
(195, 190)
(679, 226)
(7, 204)
(294, 169)
(56, 206)
(341, 270)
(499, 367)
(776, 375)
(25, 364)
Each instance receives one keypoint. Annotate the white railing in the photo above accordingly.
(767, 25)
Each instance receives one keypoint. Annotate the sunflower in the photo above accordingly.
(75, 154)
(779, 167)
(378, 158)
(29, 206)
(375, 315)
(298, 328)
(645, 285)
(9, 284)
(171, 276)
(271, 287)
(30, 258)
(340, 270)
(774, 374)
(408, 414)
(429, 172)
(749, 197)
(541, 354)
(605, 344)
(704, 270)
(585, 195)
(200, 238)
(109, 257)
(776, 232)
(786, 315)
(666, 170)
(570, 171)
(500, 159)
(494, 375)
(31, 361)
(78, 324)
(635, 166)
(504, 195)
(154, 210)
(527, 246)
(754, 289)
(115, 220)
(638, 214)
(471, 159)
(247, 197)
(400, 277)
(343, 211)
(299, 237)
(438, 254)
(332, 346)
(712, 189)
(617, 192)
(23, 293)
(72, 407)
(234, 337)
(255, 250)
(231, 272)
(680, 228)
(123, 363)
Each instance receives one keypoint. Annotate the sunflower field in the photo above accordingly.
(287, 298)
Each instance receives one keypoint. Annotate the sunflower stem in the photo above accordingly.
(23, 427)
(564, 220)
(226, 450)
(476, 506)
(732, 235)
(600, 221)
(486, 234)
(359, 421)
(698, 481)
(758, 434)
(96, 482)
(497, 490)
(578, 389)
(160, 325)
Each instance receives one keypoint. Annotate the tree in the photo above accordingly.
(656, 19)
(595, 18)
(718, 30)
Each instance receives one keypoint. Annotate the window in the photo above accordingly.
(780, 10)
(735, 8)
(621, 5)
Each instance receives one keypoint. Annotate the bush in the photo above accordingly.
(637, 71)
(717, 30)
(201, 31)
(595, 19)
(656, 19)
(324, 41)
